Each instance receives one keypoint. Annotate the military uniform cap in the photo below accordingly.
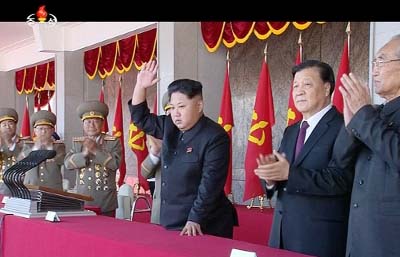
(92, 109)
(43, 118)
(8, 114)
(165, 102)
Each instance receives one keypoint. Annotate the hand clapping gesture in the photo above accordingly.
(89, 146)
(355, 95)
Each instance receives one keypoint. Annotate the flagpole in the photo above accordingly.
(38, 94)
(228, 59)
(348, 31)
(265, 52)
(48, 99)
(300, 43)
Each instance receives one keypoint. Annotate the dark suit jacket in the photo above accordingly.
(371, 142)
(194, 171)
(312, 205)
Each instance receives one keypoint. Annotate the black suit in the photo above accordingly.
(371, 143)
(312, 205)
(194, 171)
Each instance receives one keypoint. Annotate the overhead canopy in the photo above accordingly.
(121, 55)
(39, 79)
(231, 33)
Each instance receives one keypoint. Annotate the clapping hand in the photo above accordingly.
(273, 167)
(89, 146)
(355, 95)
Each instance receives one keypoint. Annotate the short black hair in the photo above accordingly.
(188, 87)
(325, 71)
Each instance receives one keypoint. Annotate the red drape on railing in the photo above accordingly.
(120, 55)
(126, 48)
(231, 33)
(91, 60)
(39, 79)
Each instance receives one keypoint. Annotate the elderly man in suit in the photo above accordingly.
(48, 173)
(95, 157)
(312, 193)
(194, 158)
(151, 166)
(10, 143)
(370, 142)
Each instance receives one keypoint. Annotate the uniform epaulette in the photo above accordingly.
(110, 138)
(78, 139)
(25, 138)
(58, 142)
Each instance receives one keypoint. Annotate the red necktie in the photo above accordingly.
(301, 137)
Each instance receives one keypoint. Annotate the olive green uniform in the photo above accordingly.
(8, 157)
(96, 173)
(48, 173)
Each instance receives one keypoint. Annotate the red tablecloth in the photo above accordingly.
(105, 236)
(254, 224)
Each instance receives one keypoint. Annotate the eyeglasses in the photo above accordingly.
(380, 63)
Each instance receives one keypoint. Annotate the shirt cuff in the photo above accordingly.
(154, 159)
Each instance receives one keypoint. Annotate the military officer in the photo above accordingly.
(95, 157)
(48, 173)
(10, 143)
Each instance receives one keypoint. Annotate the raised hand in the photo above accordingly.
(148, 75)
(145, 78)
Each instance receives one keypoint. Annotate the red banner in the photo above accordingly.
(118, 131)
(344, 68)
(137, 142)
(225, 119)
(260, 135)
(26, 125)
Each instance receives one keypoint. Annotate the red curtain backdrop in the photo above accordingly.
(231, 33)
(39, 79)
(120, 55)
